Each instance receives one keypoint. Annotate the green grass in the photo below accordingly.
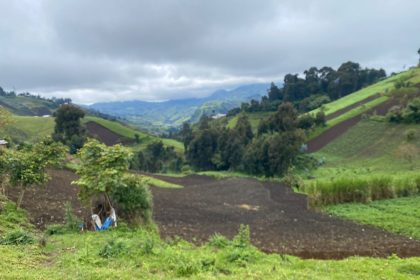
(12, 218)
(350, 114)
(130, 132)
(140, 254)
(29, 129)
(160, 183)
(370, 147)
(254, 119)
(380, 87)
(400, 215)
(362, 188)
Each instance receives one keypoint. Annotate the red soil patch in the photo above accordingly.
(336, 131)
(105, 135)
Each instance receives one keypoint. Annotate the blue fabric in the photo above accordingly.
(106, 225)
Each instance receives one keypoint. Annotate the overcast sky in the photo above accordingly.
(107, 50)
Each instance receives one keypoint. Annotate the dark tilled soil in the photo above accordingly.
(46, 205)
(352, 106)
(334, 132)
(105, 135)
(279, 219)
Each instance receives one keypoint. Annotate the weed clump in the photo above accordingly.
(17, 237)
(113, 249)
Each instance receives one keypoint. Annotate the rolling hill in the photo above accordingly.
(162, 116)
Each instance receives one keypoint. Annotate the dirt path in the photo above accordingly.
(279, 219)
(105, 135)
(336, 131)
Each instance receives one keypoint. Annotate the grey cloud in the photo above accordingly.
(154, 50)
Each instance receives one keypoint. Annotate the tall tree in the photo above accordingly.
(68, 128)
(244, 129)
(274, 93)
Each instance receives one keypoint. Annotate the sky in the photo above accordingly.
(107, 50)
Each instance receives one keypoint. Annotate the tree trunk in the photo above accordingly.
(19, 202)
(108, 199)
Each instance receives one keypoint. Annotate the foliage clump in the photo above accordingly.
(17, 237)
(103, 172)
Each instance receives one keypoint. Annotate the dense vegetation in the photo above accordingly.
(68, 128)
(317, 87)
(271, 152)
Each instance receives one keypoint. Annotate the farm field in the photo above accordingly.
(279, 219)
(195, 213)
(399, 215)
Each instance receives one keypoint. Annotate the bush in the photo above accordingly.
(17, 237)
(56, 229)
(133, 200)
(218, 241)
(410, 135)
(72, 222)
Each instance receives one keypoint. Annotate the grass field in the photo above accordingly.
(371, 147)
(350, 114)
(130, 132)
(399, 215)
(140, 254)
(381, 87)
(29, 129)
(254, 119)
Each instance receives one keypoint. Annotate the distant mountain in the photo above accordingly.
(162, 116)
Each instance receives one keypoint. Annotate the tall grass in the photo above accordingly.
(361, 189)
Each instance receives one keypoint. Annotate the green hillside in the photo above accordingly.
(28, 105)
(130, 132)
(384, 88)
(28, 129)
(31, 129)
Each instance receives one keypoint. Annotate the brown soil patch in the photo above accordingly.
(105, 135)
(352, 106)
(279, 218)
(282, 224)
(336, 131)
(46, 205)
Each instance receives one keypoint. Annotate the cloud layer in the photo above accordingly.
(104, 50)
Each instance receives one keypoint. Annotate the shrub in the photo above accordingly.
(17, 237)
(72, 222)
(56, 229)
(243, 238)
(218, 241)
(133, 200)
(410, 135)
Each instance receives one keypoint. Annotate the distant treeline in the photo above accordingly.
(55, 101)
(317, 87)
